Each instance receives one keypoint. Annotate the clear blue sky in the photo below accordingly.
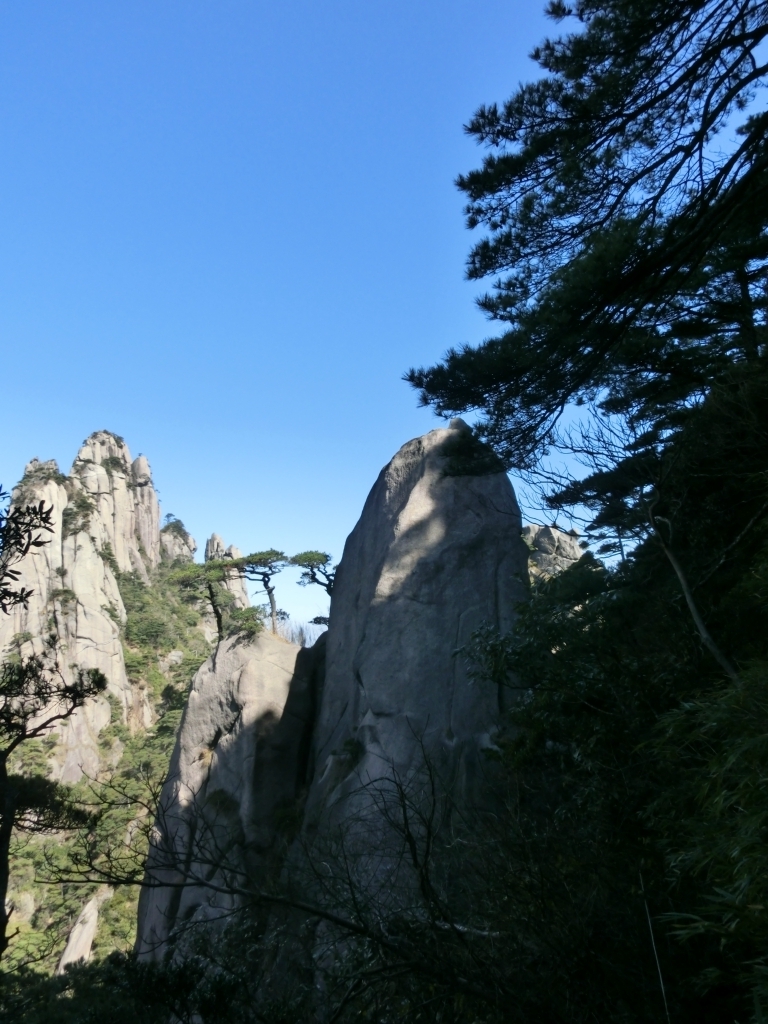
(227, 227)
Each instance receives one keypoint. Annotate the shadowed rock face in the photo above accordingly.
(433, 557)
(402, 732)
(550, 550)
(240, 759)
(436, 554)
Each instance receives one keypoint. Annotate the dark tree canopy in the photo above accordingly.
(316, 568)
(22, 527)
(34, 697)
(625, 204)
(625, 199)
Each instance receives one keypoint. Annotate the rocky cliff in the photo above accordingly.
(215, 550)
(286, 757)
(434, 556)
(437, 552)
(106, 526)
(551, 550)
(241, 758)
(106, 521)
(104, 587)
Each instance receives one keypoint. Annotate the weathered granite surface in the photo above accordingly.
(83, 932)
(437, 553)
(240, 759)
(215, 550)
(106, 519)
(551, 550)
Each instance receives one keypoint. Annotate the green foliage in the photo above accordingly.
(467, 456)
(639, 765)
(114, 464)
(22, 528)
(208, 583)
(317, 569)
(76, 517)
(245, 623)
(271, 558)
(18, 640)
(43, 474)
(145, 629)
(32, 757)
(121, 990)
(311, 559)
(159, 617)
(34, 697)
(25, 492)
(175, 526)
(119, 441)
(64, 596)
(627, 225)
(626, 215)
(108, 555)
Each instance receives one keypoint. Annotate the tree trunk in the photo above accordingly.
(8, 810)
(703, 632)
(272, 605)
(216, 612)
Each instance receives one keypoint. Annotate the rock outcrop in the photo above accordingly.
(176, 545)
(83, 932)
(216, 551)
(240, 758)
(437, 553)
(551, 550)
(106, 521)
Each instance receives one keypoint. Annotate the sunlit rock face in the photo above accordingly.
(384, 695)
(176, 545)
(240, 759)
(106, 521)
(83, 932)
(436, 553)
(126, 512)
(215, 550)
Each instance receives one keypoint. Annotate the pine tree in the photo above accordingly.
(626, 200)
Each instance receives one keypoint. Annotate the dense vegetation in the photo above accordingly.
(160, 619)
(625, 203)
(619, 869)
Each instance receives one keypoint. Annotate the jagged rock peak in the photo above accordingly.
(106, 521)
(176, 543)
(436, 554)
(35, 467)
(127, 510)
(215, 551)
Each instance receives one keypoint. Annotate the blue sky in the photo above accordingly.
(227, 228)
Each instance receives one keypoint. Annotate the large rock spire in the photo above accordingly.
(437, 552)
(106, 521)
